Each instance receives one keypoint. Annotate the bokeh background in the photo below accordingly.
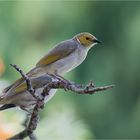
(28, 29)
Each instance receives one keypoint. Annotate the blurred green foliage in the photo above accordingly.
(29, 29)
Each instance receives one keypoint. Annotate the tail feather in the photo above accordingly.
(7, 106)
(1, 99)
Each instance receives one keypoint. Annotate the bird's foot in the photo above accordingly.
(59, 77)
(90, 85)
(63, 80)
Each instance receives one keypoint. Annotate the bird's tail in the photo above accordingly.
(7, 106)
(1, 100)
(3, 105)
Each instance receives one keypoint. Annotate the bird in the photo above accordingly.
(61, 59)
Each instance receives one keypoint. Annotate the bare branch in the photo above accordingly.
(34, 116)
(76, 88)
(28, 131)
(25, 124)
(28, 81)
(55, 83)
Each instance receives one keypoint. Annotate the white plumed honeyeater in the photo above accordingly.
(66, 56)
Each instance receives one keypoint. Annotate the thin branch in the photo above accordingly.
(28, 131)
(76, 88)
(55, 83)
(25, 124)
(34, 116)
(28, 81)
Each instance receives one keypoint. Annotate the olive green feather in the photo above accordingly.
(59, 52)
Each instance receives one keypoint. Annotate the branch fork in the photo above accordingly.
(56, 83)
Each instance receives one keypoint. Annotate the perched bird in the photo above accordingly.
(61, 59)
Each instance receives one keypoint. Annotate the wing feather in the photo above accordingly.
(37, 82)
(16, 83)
(60, 51)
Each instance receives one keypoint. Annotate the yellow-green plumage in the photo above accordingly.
(56, 54)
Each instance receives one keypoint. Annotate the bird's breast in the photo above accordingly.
(70, 62)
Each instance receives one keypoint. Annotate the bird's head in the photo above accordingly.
(86, 39)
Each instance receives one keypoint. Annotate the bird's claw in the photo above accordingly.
(90, 85)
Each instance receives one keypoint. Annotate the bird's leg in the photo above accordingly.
(59, 77)
(26, 110)
(62, 79)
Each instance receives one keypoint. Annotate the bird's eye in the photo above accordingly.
(87, 38)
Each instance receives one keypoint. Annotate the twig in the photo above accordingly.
(34, 116)
(25, 124)
(28, 81)
(76, 88)
(55, 83)
(28, 131)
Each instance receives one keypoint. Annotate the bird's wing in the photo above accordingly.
(60, 51)
(15, 84)
(37, 82)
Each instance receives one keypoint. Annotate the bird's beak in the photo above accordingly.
(97, 41)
